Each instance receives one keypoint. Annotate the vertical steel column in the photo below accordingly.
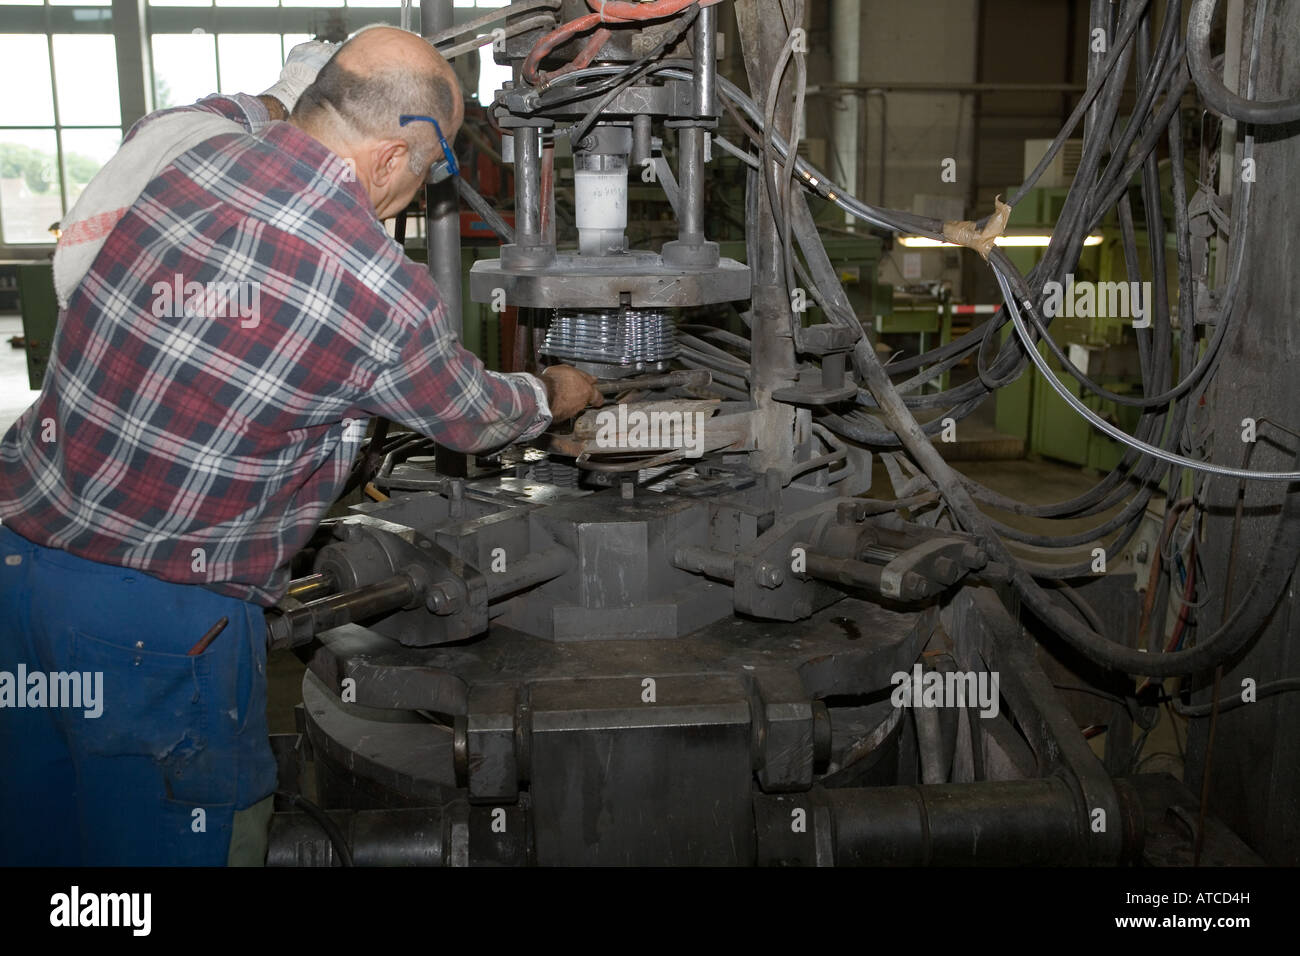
(528, 186)
(442, 238)
(762, 36)
(706, 56)
(530, 248)
(846, 44)
(690, 248)
(443, 201)
(690, 177)
(1254, 768)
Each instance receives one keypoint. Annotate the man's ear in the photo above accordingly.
(388, 156)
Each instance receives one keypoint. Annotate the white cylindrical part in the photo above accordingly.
(600, 193)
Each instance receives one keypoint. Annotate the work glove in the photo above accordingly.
(300, 69)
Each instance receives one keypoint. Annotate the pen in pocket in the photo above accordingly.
(208, 638)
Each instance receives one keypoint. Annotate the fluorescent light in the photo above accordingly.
(925, 242)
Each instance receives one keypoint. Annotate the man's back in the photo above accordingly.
(213, 372)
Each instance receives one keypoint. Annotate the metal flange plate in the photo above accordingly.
(639, 280)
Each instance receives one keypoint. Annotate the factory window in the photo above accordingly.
(190, 66)
(59, 132)
(66, 123)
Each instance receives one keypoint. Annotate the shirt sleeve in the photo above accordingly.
(444, 391)
(248, 111)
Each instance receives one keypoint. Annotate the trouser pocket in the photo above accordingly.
(175, 709)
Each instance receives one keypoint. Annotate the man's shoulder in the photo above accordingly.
(286, 181)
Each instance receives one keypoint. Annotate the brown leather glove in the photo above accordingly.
(569, 391)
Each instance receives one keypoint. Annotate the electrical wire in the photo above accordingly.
(1219, 97)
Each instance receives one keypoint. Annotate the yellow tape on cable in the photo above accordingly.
(964, 233)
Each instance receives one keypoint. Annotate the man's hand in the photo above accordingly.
(300, 68)
(569, 391)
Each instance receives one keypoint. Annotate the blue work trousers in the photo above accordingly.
(150, 768)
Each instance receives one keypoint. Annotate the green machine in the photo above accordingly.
(1099, 339)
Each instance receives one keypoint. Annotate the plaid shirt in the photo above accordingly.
(212, 376)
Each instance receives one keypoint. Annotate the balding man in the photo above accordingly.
(229, 332)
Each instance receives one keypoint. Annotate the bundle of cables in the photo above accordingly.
(1165, 444)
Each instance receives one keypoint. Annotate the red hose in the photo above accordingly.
(583, 59)
(614, 11)
(622, 10)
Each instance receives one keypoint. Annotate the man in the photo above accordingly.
(207, 393)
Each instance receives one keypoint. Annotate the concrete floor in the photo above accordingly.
(1032, 481)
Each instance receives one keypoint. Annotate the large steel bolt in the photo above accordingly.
(440, 602)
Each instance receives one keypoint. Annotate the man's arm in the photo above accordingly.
(442, 390)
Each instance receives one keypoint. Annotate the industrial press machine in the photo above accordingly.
(578, 653)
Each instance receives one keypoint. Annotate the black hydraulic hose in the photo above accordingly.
(1217, 96)
(1251, 613)
(1209, 360)
(868, 433)
(1084, 568)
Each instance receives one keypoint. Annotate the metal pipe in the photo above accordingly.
(391, 837)
(528, 186)
(443, 201)
(860, 87)
(299, 625)
(690, 175)
(762, 38)
(318, 585)
(716, 564)
(846, 30)
(529, 571)
(641, 141)
(476, 201)
(940, 825)
(882, 148)
(929, 741)
(706, 48)
(691, 378)
(859, 574)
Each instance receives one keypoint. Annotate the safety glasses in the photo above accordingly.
(445, 167)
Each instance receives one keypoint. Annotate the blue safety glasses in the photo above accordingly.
(445, 167)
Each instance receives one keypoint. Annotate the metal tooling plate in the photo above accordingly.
(589, 282)
(850, 647)
(399, 751)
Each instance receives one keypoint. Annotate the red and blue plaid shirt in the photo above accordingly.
(213, 373)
